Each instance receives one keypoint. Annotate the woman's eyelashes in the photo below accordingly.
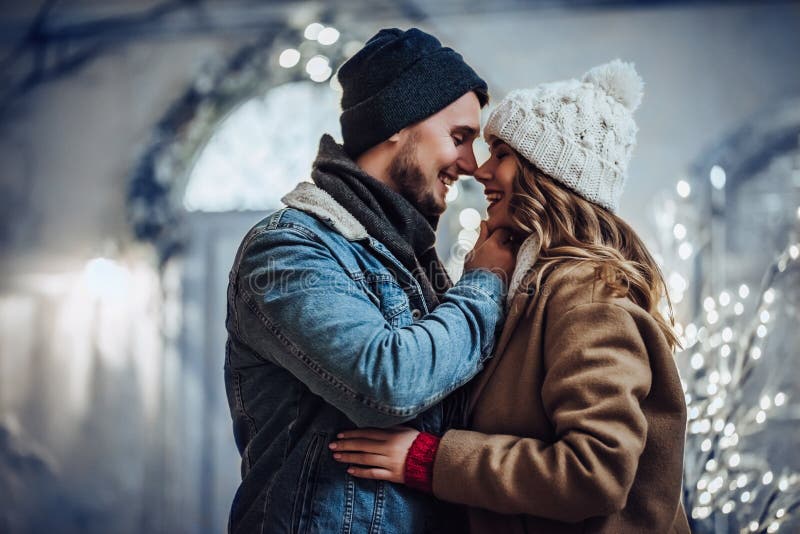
(457, 139)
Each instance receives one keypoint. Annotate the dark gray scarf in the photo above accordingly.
(386, 215)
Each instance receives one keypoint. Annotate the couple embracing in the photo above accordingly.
(369, 393)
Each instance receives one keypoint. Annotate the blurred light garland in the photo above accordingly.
(299, 53)
(724, 485)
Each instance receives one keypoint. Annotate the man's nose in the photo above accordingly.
(467, 164)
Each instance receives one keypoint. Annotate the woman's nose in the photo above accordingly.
(483, 173)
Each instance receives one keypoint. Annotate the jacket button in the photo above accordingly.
(416, 314)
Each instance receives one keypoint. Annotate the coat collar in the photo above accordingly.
(526, 257)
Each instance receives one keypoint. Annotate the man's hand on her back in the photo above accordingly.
(496, 252)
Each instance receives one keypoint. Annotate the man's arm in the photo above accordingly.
(320, 324)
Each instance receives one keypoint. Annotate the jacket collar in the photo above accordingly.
(309, 198)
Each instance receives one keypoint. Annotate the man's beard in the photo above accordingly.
(411, 182)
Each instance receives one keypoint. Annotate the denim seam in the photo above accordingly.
(314, 474)
(347, 519)
(268, 496)
(304, 478)
(251, 422)
(233, 276)
(275, 219)
(480, 290)
(416, 288)
(377, 512)
(307, 485)
(300, 229)
(258, 231)
(290, 427)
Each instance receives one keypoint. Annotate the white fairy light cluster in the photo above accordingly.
(318, 53)
(726, 485)
(469, 222)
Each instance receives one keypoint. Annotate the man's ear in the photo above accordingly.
(399, 136)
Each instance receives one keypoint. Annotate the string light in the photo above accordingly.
(684, 190)
(727, 334)
(717, 176)
(724, 344)
(289, 58)
(470, 218)
(318, 68)
(728, 507)
(328, 36)
(744, 291)
(452, 193)
(313, 30)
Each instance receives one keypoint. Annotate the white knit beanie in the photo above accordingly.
(580, 133)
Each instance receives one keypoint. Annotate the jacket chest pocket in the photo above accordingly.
(390, 298)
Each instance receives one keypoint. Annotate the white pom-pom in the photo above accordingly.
(619, 80)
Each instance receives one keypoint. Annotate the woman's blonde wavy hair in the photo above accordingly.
(571, 229)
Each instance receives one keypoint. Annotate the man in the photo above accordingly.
(340, 312)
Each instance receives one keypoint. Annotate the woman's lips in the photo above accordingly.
(493, 197)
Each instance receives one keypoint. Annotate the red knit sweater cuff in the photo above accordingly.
(419, 462)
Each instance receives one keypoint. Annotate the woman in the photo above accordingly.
(578, 421)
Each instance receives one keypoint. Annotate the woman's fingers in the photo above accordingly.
(358, 445)
(362, 458)
(378, 454)
(375, 434)
(374, 473)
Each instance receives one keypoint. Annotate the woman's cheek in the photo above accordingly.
(508, 172)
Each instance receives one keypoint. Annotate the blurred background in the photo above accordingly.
(139, 140)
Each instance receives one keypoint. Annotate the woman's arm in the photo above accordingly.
(598, 374)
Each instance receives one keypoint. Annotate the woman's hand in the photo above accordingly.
(377, 454)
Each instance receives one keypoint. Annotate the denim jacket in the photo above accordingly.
(322, 337)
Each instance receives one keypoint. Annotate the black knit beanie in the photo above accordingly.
(397, 79)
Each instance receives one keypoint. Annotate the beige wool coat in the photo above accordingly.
(578, 421)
